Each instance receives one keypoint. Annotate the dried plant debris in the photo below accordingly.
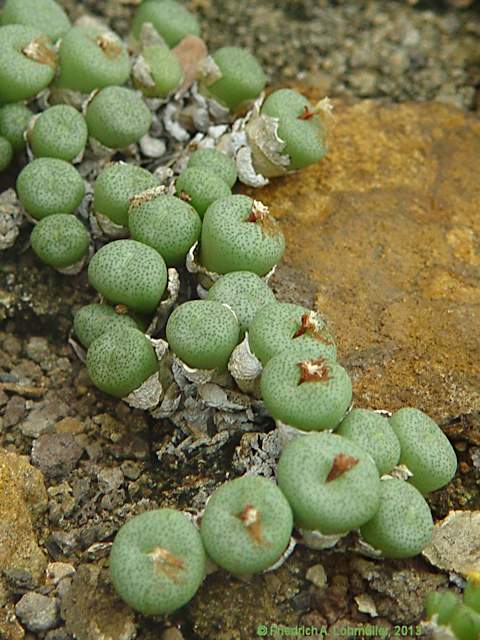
(11, 218)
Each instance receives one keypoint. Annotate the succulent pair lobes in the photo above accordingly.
(92, 320)
(216, 161)
(157, 72)
(201, 187)
(157, 561)
(246, 525)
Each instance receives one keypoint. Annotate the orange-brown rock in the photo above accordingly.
(385, 233)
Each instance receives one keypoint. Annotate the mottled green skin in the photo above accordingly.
(374, 433)
(311, 405)
(338, 506)
(45, 15)
(203, 334)
(228, 540)
(202, 186)
(285, 102)
(116, 185)
(59, 132)
(244, 292)
(117, 117)
(230, 243)
(167, 224)
(6, 153)
(172, 21)
(274, 326)
(60, 240)
(86, 66)
(93, 320)
(144, 586)
(49, 185)
(403, 524)
(120, 360)
(215, 161)
(425, 449)
(242, 77)
(465, 623)
(14, 119)
(21, 78)
(471, 594)
(442, 604)
(165, 69)
(130, 273)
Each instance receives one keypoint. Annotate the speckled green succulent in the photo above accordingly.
(59, 132)
(331, 483)
(239, 234)
(92, 320)
(201, 187)
(60, 240)
(90, 58)
(374, 433)
(27, 62)
(242, 78)
(403, 524)
(45, 15)
(120, 360)
(157, 561)
(283, 326)
(285, 102)
(246, 525)
(172, 21)
(305, 391)
(425, 449)
(118, 117)
(215, 161)
(116, 185)
(49, 185)
(163, 68)
(6, 153)
(14, 119)
(167, 224)
(244, 292)
(130, 273)
(203, 333)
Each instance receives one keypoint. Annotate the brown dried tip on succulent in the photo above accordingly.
(260, 214)
(314, 371)
(121, 309)
(251, 518)
(310, 324)
(40, 50)
(147, 196)
(340, 465)
(185, 196)
(109, 45)
(165, 562)
(323, 108)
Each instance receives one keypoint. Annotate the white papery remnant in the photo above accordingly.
(454, 545)
(147, 396)
(11, 218)
(245, 368)
(109, 228)
(166, 304)
(317, 540)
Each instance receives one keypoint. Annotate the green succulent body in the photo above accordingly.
(201, 187)
(471, 593)
(171, 20)
(403, 524)
(441, 604)
(157, 561)
(116, 185)
(130, 273)
(244, 292)
(27, 63)
(49, 185)
(215, 161)
(246, 525)
(118, 117)
(285, 102)
(465, 623)
(120, 360)
(330, 506)
(277, 327)
(308, 404)
(60, 240)
(6, 153)
(165, 70)
(203, 334)
(232, 241)
(167, 224)
(14, 119)
(92, 320)
(45, 15)
(425, 449)
(92, 58)
(242, 77)
(59, 132)
(374, 433)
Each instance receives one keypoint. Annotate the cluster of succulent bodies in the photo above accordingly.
(135, 229)
(456, 618)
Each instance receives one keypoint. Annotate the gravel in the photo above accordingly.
(37, 612)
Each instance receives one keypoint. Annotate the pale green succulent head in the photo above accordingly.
(59, 132)
(60, 240)
(45, 15)
(14, 119)
(92, 320)
(201, 187)
(170, 19)
(215, 161)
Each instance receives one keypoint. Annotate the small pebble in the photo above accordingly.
(37, 612)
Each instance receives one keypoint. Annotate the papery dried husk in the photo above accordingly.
(166, 304)
(205, 277)
(266, 146)
(400, 471)
(11, 218)
(147, 396)
(60, 95)
(463, 557)
(74, 269)
(78, 349)
(152, 147)
(431, 630)
(213, 395)
(109, 228)
(292, 543)
(365, 549)
(169, 404)
(245, 368)
(197, 376)
(288, 433)
(316, 540)
(142, 74)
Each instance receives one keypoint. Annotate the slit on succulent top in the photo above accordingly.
(164, 561)
(314, 371)
(251, 518)
(260, 214)
(340, 465)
